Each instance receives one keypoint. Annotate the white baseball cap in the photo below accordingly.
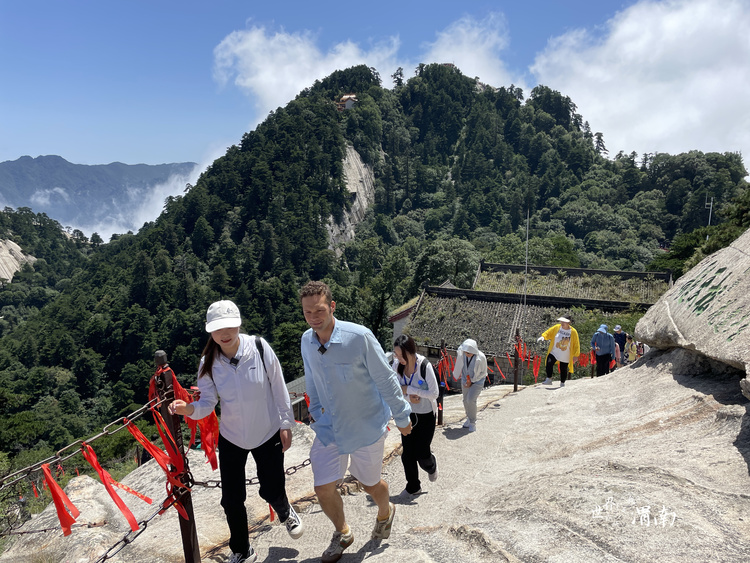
(222, 314)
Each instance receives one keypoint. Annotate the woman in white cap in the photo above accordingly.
(471, 370)
(420, 387)
(564, 347)
(244, 373)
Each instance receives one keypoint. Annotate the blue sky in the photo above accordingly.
(164, 81)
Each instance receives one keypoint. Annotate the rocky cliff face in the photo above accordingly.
(12, 259)
(361, 183)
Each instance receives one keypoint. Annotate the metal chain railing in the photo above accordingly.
(216, 484)
(21, 474)
(128, 538)
(55, 529)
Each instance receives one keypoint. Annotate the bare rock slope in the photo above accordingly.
(649, 463)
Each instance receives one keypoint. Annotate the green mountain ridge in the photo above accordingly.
(457, 167)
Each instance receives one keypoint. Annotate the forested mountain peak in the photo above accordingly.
(458, 165)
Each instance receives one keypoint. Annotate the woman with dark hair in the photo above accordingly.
(244, 373)
(420, 387)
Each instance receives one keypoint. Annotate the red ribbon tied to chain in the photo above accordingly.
(61, 500)
(209, 426)
(108, 481)
(537, 364)
(162, 459)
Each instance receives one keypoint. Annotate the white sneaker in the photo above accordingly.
(466, 423)
(547, 381)
(562, 384)
(251, 557)
(434, 475)
(472, 427)
(294, 524)
(406, 496)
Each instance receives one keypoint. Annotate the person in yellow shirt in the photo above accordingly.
(564, 347)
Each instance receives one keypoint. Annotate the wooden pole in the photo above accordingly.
(517, 357)
(190, 546)
(441, 391)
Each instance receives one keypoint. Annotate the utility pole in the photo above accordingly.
(710, 207)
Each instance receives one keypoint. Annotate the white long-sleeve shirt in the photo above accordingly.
(426, 389)
(254, 401)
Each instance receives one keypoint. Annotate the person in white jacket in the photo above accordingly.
(420, 388)
(244, 373)
(471, 370)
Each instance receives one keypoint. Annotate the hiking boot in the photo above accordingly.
(547, 381)
(434, 475)
(382, 529)
(339, 542)
(249, 557)
(294, 524)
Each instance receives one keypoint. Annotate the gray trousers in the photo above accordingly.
(470, 396)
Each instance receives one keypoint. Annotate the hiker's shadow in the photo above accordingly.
(455, 433)
(288, 555)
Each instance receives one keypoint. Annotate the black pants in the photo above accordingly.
(549, 366)
(270, 463)
(416, 449)
(602, 364)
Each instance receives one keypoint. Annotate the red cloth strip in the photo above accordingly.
(61, 501)
(208, 426)
(161, 458)
(108, 481)
(509, 360)
(498, 369)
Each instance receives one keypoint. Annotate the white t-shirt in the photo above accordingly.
(561, 348)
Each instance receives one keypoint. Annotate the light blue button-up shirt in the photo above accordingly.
(352, 389)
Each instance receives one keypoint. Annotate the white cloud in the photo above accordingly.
(272, 68)
(475, 46)
(666, 76)
(130, 217)
(44, 197)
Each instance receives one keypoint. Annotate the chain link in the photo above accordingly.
(142, 525)
(55, 529)
(216, 484)
(59, 458)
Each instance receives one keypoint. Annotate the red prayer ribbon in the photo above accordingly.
(61, 501)
(108, 481)
(498, 368)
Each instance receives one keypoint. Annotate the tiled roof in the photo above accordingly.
(605, 285)
(494, 309)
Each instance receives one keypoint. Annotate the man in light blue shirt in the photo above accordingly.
(353, 392)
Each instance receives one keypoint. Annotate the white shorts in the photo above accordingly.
(329, 466)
